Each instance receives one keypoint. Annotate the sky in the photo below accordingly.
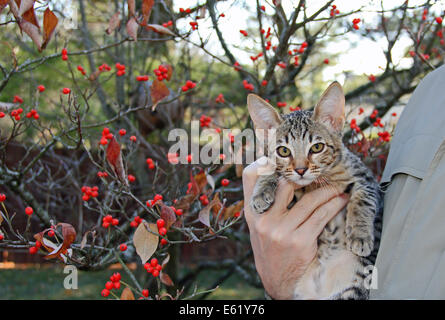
(366, 57)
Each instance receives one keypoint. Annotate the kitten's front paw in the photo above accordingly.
(263, 200)
(360, 245)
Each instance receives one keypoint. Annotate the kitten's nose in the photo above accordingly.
(300, 171)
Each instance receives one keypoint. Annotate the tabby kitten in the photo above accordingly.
(310, 153)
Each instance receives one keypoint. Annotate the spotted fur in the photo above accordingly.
(349, 243)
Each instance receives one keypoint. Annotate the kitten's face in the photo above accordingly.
(308, 145)
(305, 149)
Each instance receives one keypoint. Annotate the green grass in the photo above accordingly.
(47, 284)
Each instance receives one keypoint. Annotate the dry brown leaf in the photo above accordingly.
(3, 4)
(33, 32)
(144, 241)
(230, 211)
(127, 294)
(165, 279)
(131, 7)
(114, 23)
(159, 29)
(158, 92)
(25, 5)
(114, 158)
(50, 22)
(132, 28)
(168, 215)
(147, 5)
(185, 202)
(204, 214)
(56, 251)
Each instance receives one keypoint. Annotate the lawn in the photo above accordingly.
(47, 284)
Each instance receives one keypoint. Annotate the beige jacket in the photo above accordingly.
(411, 260)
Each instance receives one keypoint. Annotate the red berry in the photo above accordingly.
(51, 233)
(162, 231)
(154, 262)
(123, 247)
(155, 273)
(122, 132)
(133, 224)
(105, 293)
(179, 212)
(115, 222)
(33, 250)
(109, 285)
(160, 223)
(38, 244)
(158, 197)
(1, 237)
(2, 197)
(117, 284)
(131, 178)
(163, 242)
(66, 90)
(225, 182)
(29, 211)
(41, 88)
(439, 20)
(133, 138)
(64, 51)
(145, 293)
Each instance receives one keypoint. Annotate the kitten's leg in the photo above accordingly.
(264, 193)
(361, 211)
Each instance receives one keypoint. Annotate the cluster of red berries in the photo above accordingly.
(425, 12)
(384, 136)
(205, 121)
(188, 86)
(296, 108)
(64, 54)
(150, 164)
(151, 203)
(248, 86)
(88, 192)
(194, 25)
(106, 135)
(120, 69)
(204, 200)
(108, 220)
(142, 78)
(16, 113)
(81, 70)
(244, 33)
(161, 72)
(104, 67)
(114, 283)
(167, 24)
(2, 197)
(378, 123)
(153, 267)
(136, 222)
(182, 10)
(334, 10)
(354, 125)
(254, 58)
(355, 23)
(33, 114)
(220, 98)
(35, 248)
(17, 99)
(162, 230)
(101, 174)
(374, 114)
(281, 104)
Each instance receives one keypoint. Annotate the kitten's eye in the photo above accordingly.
(316, 148)
(283, 152)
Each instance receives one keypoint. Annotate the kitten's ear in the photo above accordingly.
(264, 116)
(330, 110)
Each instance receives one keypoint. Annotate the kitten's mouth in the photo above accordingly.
(301, 181)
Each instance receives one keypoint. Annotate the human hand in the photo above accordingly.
(284, 241)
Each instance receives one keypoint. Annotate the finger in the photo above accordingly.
(283, 196)
(315, 224)
(309, 203)
(251, 174)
